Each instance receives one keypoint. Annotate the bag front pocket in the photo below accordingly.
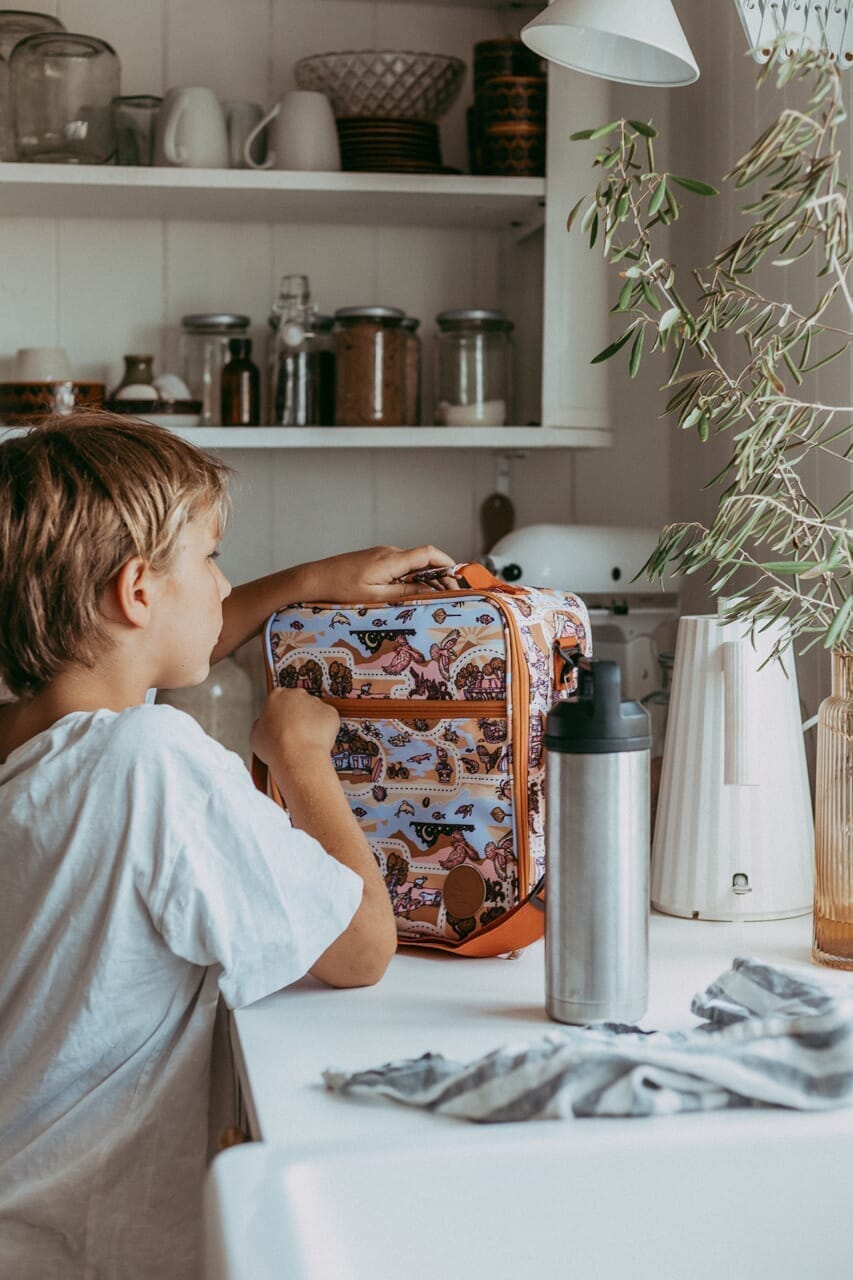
(431, 785)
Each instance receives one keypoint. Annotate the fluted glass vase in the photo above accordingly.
(833, 916)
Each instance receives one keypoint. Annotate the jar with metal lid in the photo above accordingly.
(473, 368)
(204, 350)
(370, 367)
(412, 417)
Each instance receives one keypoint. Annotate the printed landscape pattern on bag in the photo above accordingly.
(436, 789)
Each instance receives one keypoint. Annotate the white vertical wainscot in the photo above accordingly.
(105, 261)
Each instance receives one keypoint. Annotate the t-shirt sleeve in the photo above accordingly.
(239, 887)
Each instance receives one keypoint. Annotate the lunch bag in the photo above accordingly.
(442, 700)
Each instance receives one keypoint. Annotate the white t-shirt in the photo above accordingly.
(140, 875)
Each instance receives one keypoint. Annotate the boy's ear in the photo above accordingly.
(128, 598)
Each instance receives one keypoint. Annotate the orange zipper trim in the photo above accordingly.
(416, 708)
(520, 686)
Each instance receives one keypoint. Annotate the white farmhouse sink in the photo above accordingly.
(752, 1195)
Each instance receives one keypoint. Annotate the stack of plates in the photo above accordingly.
(389, 145)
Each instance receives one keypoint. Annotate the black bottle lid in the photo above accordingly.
(597, 721)
(240, 348)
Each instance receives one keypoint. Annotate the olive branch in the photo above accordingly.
(790, 558)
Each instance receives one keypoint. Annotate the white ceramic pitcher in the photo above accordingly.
(734, 836)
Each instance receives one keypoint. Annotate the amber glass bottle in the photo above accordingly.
(241, 386)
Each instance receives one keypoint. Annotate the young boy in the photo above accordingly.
(140, 872)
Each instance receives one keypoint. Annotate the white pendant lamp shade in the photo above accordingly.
(632, 41)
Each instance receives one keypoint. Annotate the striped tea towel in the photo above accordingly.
(771, 1038)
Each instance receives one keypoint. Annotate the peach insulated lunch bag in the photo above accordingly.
(443, 700)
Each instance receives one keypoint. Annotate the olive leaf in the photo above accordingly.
(614, 347)
(768, 539)
(694, 185)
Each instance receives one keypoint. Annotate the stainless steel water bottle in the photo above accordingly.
(597, 853)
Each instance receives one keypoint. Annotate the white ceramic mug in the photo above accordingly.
(240, 120)
(304, 134)
(191, 130)
(42, 364)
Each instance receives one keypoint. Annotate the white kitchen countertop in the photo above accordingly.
(345, 1189)
(431, 1002)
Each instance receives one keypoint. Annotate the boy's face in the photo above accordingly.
(189, 621)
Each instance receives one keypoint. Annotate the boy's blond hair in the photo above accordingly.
(79, 496)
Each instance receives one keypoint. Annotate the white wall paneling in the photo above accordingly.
(106, 261)
(29, 297)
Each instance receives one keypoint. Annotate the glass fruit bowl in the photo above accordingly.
(383, 83)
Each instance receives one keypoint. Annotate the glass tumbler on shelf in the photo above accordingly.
(135, 120)
(474, 368)
(203, 352)
(62, 88)
(370, 367)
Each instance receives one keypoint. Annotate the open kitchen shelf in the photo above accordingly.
(240, 195)
(503, 439)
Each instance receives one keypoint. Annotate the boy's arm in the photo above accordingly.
(361, 576)
(294, 737)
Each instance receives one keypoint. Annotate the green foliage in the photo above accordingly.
(790, 558)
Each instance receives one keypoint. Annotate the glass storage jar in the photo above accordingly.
(370, 367)
(62, 87)
(203, 352)
(17, 24)
(412, 417)
(322, 327)
(473, 368)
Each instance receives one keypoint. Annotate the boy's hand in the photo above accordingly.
(294, 736)
(374, 574)
(292, 724)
